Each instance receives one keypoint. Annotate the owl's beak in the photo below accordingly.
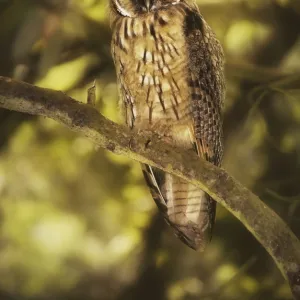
(148, 4)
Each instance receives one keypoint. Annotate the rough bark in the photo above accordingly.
(259, 219)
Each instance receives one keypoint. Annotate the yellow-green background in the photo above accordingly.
(77, 222)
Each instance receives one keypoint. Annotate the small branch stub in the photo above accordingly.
(91, 97)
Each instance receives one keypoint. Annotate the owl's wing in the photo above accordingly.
(207, 86)
(207, 92)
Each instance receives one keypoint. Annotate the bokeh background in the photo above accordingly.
(77, 222)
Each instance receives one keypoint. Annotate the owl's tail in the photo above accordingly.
(186, 208)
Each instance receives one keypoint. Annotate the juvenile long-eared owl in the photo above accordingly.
(169, 67)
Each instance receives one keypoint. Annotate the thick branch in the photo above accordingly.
(260, 220)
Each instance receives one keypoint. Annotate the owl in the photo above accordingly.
(169, 67)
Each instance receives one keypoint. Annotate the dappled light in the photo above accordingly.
(78, 222)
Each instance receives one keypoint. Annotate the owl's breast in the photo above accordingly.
(152, 67)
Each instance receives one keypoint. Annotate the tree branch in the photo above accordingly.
(259, 219)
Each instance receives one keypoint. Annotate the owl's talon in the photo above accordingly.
(132, 144)
(148, 143)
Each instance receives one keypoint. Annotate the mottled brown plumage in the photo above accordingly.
(169, 67)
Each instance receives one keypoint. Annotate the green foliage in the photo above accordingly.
(79, 223)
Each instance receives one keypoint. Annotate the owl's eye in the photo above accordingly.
(122, 10)
(132, 8)
(165, 3)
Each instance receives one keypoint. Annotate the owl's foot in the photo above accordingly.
(158, 136)
(148, 132)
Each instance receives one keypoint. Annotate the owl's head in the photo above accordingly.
(134, 8)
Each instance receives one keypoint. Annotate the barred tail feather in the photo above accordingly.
(186, 208)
